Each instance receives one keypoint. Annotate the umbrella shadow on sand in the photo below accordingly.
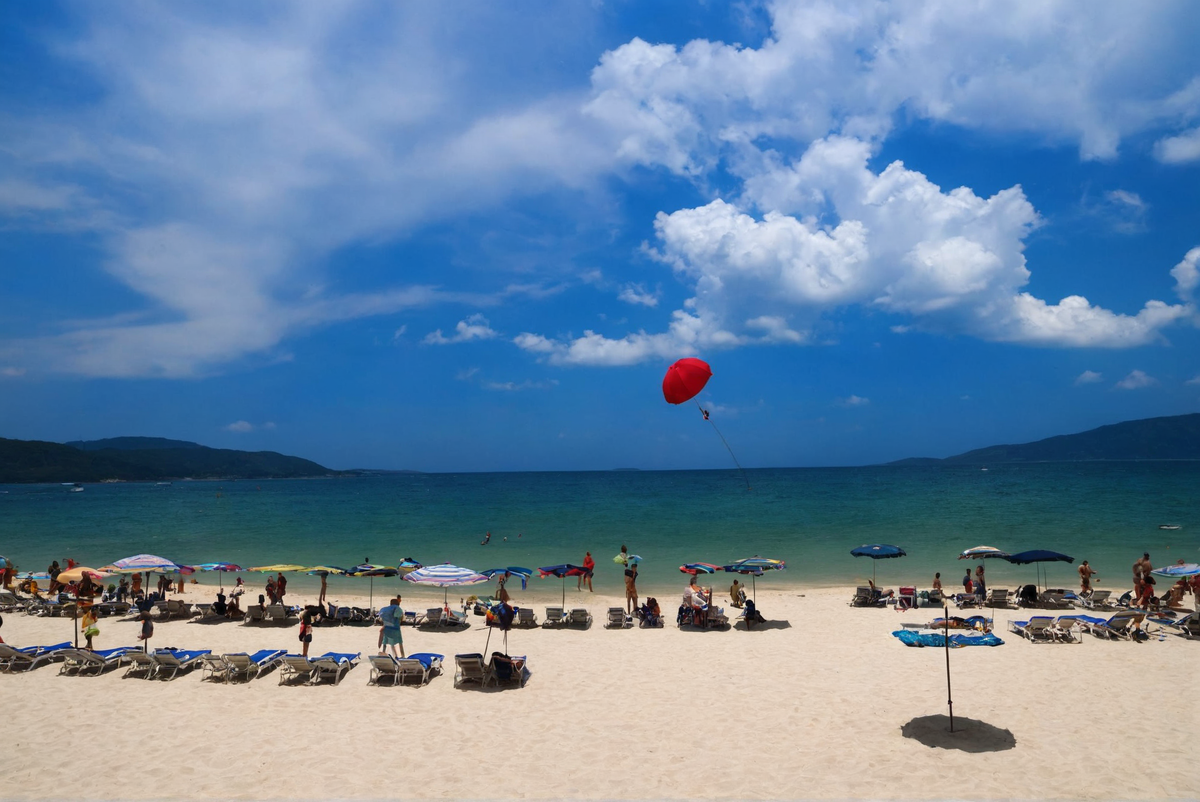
(741, 625)
(970, 735)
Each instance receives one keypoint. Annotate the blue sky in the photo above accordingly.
(401, 236)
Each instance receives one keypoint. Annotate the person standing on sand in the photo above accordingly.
(389, 633)
(631, 596)
(321, 598)
(1085, 577)
(280, 587)
(980, 587)
(589, 568)
(306, 629)
(501, 591)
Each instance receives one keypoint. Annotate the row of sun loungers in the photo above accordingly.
(299, 670)
(1070, 628)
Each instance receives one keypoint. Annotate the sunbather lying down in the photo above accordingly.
(977, 622)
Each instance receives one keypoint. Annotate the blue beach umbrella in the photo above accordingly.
(563, 571)
(1038, 556)
(514, 570)
(700, 568)
(982, 553)
(878, 551)
(754, 567)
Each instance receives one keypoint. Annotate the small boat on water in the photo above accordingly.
(161, 484)
(77, 489)
(1171, 527)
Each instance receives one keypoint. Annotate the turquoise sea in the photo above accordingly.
(1107, 513)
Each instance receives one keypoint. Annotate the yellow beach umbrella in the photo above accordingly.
(277, 569)
(76, 574)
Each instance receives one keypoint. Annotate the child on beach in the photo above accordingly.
(90, 630)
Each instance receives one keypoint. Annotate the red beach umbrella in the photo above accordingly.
(685, 379)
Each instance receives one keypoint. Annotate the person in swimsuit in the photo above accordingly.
(306, 629)
(980, 587)
(589, 568)
(631, 596)
(967, 583)
(486, 538)
(1086, 572)
(280, 588)
(501, 591)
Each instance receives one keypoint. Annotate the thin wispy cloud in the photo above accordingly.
(853, 401)
(244, 427)
(1194, 380)
(528, 384)
(475, 327)
(1088, 377)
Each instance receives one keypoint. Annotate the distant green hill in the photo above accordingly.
(1171, 438)
(143, 459)
(131, 444)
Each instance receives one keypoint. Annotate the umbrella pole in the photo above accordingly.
(564, 579)
(371, 597)
(949, 696)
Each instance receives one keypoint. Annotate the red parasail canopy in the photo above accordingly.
(685, 379)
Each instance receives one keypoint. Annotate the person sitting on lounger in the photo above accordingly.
(752, 615)
(233, 608)
(219, 606)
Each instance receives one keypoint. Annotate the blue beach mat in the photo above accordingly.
(910, 638)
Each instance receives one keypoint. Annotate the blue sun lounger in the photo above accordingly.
(81, 662)
(169, 664)
(250, 666)
(333, 665)
(30, 657)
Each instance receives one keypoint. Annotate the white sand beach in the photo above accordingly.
(810, 708)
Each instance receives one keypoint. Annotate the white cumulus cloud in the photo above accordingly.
(1179, 149)
(1135, 381)
(240, 426)
(1187, 274)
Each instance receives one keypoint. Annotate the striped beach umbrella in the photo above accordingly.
(370, 571)
(982, 553)
(754, 566)
(221, 568)
(278, 568)
(700, 568)
(142, 562)
(1179, 570)
(444, 576)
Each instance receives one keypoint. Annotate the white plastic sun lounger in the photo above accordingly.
(1037, 629)
(30, 657)
(249, 666)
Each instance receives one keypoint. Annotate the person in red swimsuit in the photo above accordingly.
(589, 568)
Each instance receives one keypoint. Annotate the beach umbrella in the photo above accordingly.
(700, 568)
(222, 568)
(754, 567)
(514, 570)
(326, 570)
(1038, 556)
(371, 570)
(1178, 570)
(138, 563)
(444, 576)
(408, 565)
(878, 551)
(76, 574)
(3, 563)
(563, 571)
(982, 553)
(278, 568)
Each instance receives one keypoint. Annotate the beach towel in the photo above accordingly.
(911, 638)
